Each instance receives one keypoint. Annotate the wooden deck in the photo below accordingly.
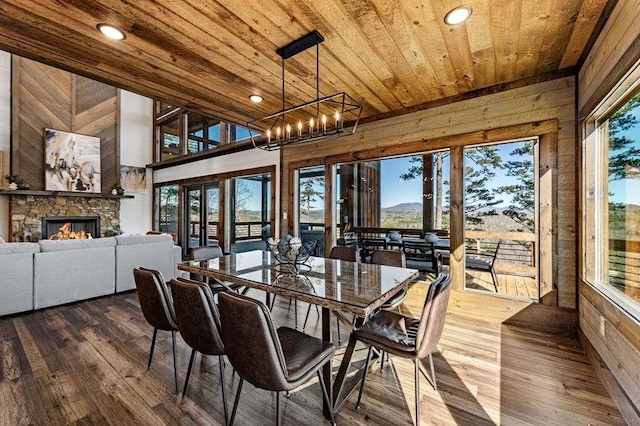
(508, 284)
(86, 363)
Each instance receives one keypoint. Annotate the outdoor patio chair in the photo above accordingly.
(483, 260)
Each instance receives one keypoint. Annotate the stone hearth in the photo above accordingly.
(26, 213)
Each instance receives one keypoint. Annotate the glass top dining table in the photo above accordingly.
(337, 286)
(342, 286)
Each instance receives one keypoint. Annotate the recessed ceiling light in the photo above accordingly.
(458, 15)
(111, 31)
(256, 99)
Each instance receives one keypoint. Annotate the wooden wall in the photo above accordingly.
(551, 100)
(613, 333)
(46, 97)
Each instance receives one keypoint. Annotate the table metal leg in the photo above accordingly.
(327, 375)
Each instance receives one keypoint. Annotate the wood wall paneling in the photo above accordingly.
(46, 97)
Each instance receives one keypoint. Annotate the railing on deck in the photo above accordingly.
(517, 253)
(624, 264)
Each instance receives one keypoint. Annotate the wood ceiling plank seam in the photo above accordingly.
(481, 44)
(304, 63)
(505, 22)
(266, 56)
(358, 79)
(250, 62)
(554, 43)
(588, 16)
(430, 36)
(47, 92)
(396, 22)
(18, 43)
(165, 72)
(404, 83)
(456, 40)
(363, 84)
(536, 18)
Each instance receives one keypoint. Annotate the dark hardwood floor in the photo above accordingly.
(86, 364)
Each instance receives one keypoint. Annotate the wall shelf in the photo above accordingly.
(10, 192)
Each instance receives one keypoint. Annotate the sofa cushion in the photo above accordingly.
(16, 248)
(57, 245)
(124, 240)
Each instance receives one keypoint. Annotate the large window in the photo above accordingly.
(250, 211)
(168, 205)
(612, 203)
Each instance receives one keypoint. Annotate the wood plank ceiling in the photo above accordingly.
(391, 55)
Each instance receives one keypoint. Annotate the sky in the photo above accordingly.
(396, 191)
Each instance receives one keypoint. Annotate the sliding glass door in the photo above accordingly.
(202, 215)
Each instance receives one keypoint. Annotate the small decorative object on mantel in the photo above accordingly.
(291, 253)
(16, 182)
(116, 189)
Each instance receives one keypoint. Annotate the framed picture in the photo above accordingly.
(133, 179)
(72, 162)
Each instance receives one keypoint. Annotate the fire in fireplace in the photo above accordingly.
(70, 227)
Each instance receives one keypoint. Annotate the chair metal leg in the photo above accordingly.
(339, 337)
(153, 346)
(306, 317)
(278, 416)
(494, 277)
(175, 361)
(381, 361)
(364, 377)
(433, 373)
(326, 397)
(295, 311)
(186, 379)
(236, 401)
(224, 394)
(416, 362)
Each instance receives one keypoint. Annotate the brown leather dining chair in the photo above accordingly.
(213, 252)
(409, 337)
(199, 322)
(157, 308)
(391, 258)
(276, 360)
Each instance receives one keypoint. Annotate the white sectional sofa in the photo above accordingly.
(16, 277)
(50, 273)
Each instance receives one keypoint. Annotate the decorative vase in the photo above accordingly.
(13, 186)
(114, 192)
(120, 191)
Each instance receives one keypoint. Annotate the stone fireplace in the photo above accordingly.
(30, 215)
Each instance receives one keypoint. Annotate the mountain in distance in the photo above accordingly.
(403, 208)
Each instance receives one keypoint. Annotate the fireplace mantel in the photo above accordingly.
(10, 192)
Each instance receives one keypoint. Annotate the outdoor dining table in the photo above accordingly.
(338, 286)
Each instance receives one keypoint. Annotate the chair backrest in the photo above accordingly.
(389, 258)
(251, 341)
(349, 254)
(433, 316)
(155, 300)
(197, 316)
(418, 250)
(206, 252)
(487, 254)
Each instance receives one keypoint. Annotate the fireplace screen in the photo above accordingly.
(72, 227)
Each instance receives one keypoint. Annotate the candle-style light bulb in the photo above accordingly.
(337, 119)
(311, 123)
(324, 123)
(288, 131)
(269, 137)
(278, 133)
(299, 129)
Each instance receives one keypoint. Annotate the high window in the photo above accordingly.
(611, 155)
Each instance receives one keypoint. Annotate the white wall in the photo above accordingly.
(5, 137)
(136, 149)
